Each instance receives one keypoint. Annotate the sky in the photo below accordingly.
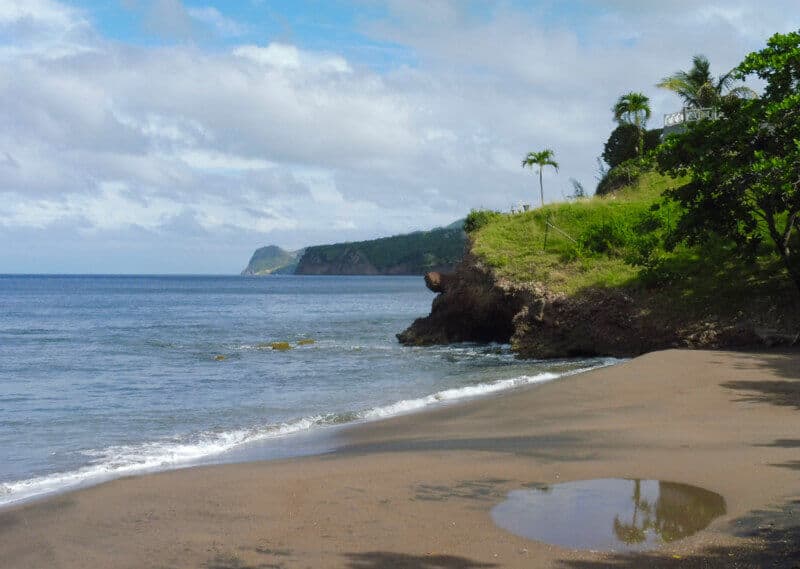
(176, 136)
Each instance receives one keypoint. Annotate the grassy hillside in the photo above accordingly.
(620, 241)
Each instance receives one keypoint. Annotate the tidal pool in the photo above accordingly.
(609, 514)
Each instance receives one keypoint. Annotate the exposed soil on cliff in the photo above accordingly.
(474, 306)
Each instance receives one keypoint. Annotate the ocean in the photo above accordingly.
(106, 376)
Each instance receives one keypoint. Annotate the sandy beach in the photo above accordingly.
(416, 491)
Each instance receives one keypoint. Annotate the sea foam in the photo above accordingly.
(125, 460)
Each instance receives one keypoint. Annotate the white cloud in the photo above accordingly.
(277, 143)
(223, 25)
(44, 28)
(39, 13)
(211, 160)
(288, 57)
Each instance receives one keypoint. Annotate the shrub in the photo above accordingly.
(611, 237)
(622, 175)
(477, 218)
(623, 144)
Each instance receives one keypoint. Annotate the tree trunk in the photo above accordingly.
(794, 273)
(782, 244)
(541, 185)
(641, 138)
(641, 142)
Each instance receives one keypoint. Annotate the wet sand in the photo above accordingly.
(416, 491)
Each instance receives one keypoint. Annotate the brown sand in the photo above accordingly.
(416, 491)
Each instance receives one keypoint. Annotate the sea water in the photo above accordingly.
(105, 376)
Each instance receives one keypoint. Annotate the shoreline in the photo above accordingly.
(417, 487)
(304, 436)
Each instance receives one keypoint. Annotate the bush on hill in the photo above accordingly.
(477, 218)
(623, 175)
(630, 241)
(622, 145)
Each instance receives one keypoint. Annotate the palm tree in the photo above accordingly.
(699, 89)
(633, 108)
(541, 159)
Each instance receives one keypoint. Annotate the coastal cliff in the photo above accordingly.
(585, 292)
(414, 253)
(476, 306)
(409, 254)
(271, 260)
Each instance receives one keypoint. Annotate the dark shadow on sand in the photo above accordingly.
(783, 392)
(561, 446)
(783, 443)
(792, 464)
(781, 363)
(389, 560)
(233, 562)
(484, 490)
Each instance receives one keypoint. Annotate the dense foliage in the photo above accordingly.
(477, 218)
(622, 144)
(623, 175)
(744, 168)
(628, 242)
(634, 109)
(412, 253)
(625, 150)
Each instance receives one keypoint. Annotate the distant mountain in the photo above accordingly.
(409, 254)
(415, 253)
(272, 260)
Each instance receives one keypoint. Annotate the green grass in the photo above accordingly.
(619, 241)
(577, 253)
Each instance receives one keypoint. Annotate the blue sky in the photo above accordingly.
(317, 25)
(176, 136)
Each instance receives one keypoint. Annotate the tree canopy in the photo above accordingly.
(633, 108)
(744, 168)
(623, 143)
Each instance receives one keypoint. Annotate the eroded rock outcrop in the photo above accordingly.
(475, 306)
(470, 308)
(438, 282)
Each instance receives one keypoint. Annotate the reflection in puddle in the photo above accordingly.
(609, 514)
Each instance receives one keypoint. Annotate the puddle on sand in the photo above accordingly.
(609, 514)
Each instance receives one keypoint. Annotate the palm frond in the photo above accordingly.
(698, 87)
(542, 158)
(743, 92)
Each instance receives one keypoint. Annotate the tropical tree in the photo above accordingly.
(744, 169)
(541, 159)
(633, 108)
(699, 89)
(623, 143)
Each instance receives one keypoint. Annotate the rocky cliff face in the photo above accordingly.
(271, 260)
(473, 305)
(350, 262)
